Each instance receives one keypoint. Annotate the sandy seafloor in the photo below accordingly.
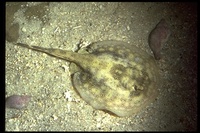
(55, 105)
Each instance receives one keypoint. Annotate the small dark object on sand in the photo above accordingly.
(17, 101)
(158, 37)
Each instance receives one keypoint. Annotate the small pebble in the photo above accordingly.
(24, 29)
(158, 37)
(17, 101)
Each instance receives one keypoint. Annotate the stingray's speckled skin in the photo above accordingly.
(112, 75)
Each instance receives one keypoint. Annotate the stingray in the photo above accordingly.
(111, 75)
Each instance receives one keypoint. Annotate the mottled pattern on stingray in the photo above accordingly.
(124, 83)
